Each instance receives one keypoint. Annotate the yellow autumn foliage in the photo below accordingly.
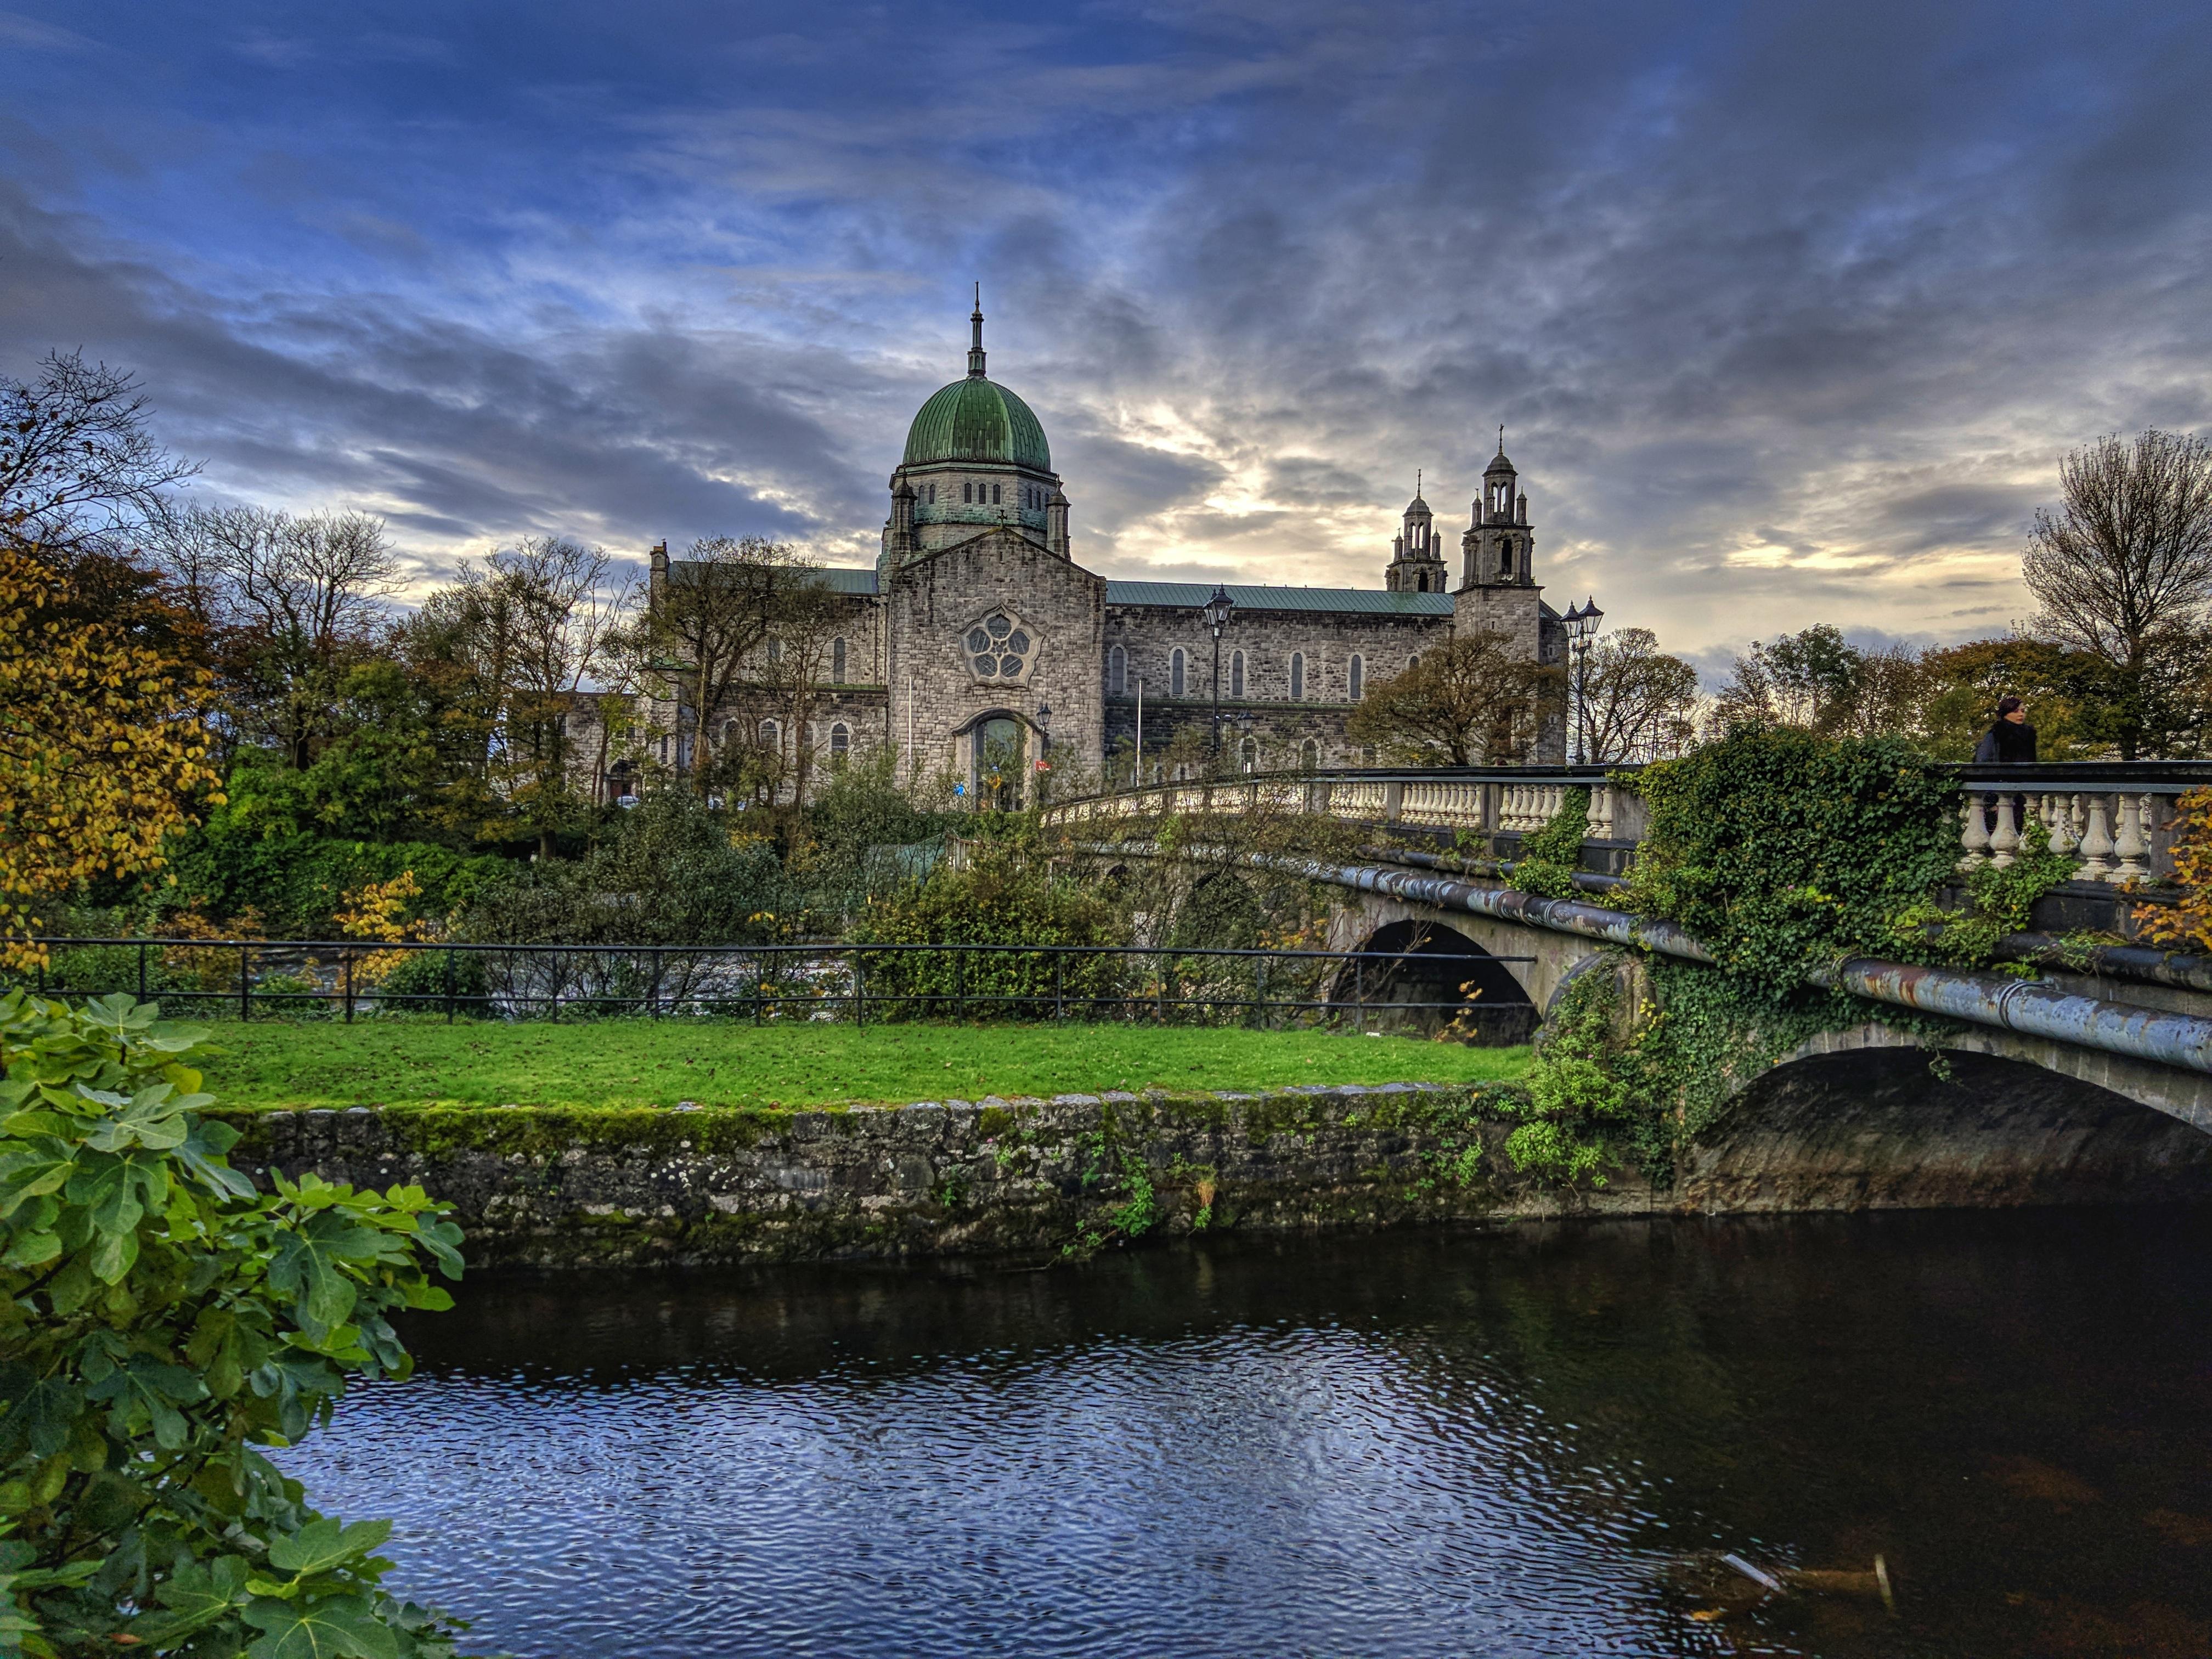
(103, 752)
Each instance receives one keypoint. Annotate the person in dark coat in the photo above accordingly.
(2011, 740)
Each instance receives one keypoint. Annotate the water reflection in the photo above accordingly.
(1434, 1443)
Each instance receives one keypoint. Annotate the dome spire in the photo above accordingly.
(976, 341)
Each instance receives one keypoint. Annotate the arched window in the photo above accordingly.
(967, 492)
(664, 747)
(1117, 672)
(933, 494)
(771, 736)
(730, 733)
(1236, 675)
(1248, 754)
(837, 661)
(1413, 662)
(1355, 677)
(1309, 756)
(1505, 558)
(1175, 673)
(1298, 676)
(995, 498)
(841, 741)
(775, 651)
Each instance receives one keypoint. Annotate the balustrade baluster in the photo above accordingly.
(2096, 840)
(1601, 812)
(2130, 844)
(2004, 839)
(1974, 834)
(2059, 823)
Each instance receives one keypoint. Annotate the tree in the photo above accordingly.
(1639, 704)
(2068, 694)
(2123, 566)
(293, 601)
(796, 666)
(161, 1322)
(79, 472)
(1474, 699)
(1805, 680)
(709, 625)
(102, 751)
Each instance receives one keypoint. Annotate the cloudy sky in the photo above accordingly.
(1789, 310)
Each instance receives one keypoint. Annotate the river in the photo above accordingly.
(1534, 1441)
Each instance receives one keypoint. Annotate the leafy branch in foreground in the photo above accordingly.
(161, 1322)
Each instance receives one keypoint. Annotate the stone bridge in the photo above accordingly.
(2092, 1081)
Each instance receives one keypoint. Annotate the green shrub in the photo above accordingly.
(1783, 852)
(671, 872)
(1003, 897)
(161, 1322)
(293, 882)
(1550, 857)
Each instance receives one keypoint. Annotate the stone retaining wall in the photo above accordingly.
(557, 1188)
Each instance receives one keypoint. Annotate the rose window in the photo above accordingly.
(999, 647)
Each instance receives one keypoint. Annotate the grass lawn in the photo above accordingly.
(268, 1063)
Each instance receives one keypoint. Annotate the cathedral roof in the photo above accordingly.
(1498, 464)
(977, 420)
(1190, 596)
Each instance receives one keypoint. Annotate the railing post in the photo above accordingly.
(860, 992)
(141, 970)
(2130, 843)
(2096, 841)
(1974, 835)
(348, 969)
(245, 983)
(2004, 839)
(1393, 800)
(1059, 1000)
(449, 986)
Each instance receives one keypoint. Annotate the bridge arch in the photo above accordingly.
(1431, 963)
(1865, 1119)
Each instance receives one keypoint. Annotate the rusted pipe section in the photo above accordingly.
(2138, 961)
(2033, 1009)
(1508, 904)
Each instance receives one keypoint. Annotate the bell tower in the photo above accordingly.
(1499, 549)
(1416, 560)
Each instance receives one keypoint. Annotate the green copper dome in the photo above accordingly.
(977, 420)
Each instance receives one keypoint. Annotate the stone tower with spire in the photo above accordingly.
(1417, 559)
(1498, 590)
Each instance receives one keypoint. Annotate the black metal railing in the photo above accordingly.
(1164, 984)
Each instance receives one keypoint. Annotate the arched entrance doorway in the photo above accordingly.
(1000, 762)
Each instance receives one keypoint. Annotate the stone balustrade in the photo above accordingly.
(2114, 819)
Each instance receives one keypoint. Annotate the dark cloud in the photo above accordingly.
(1789, 310)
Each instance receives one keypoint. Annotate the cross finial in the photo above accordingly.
(975, 329)
(1416, 483)
(1501, 425)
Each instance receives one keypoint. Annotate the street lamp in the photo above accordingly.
(1216, 612)
(1582, 621)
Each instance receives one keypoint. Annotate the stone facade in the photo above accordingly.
(978, 555)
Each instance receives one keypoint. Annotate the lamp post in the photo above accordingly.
(1216, 612)
(1582, 621)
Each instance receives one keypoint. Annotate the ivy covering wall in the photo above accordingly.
(1783, 853)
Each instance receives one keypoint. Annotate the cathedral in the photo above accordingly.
(979, 647)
